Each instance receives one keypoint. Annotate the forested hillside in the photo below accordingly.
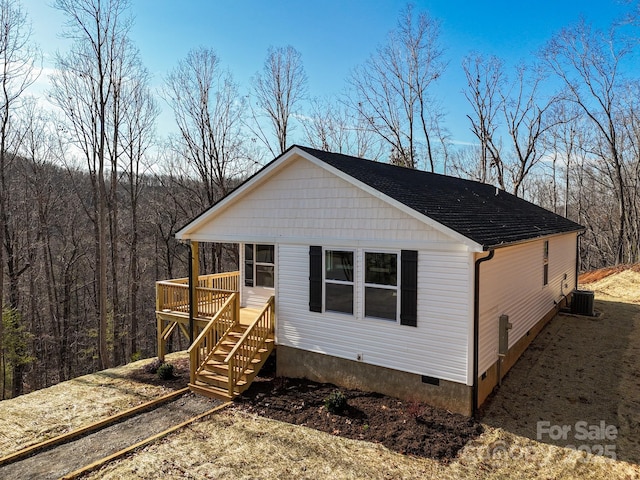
(91, 193)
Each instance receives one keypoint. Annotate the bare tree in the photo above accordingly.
(393, 89)
(485, 80)
(86, 88)
(17, 57)
(588, 63)
(139, 116)
(208, 111)
(525, 110)
(516, 108)
(565, 142)
(332, 127)
(278, 91)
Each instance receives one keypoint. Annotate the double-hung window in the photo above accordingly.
(381, 285)
(259, 265)
(338, 285)
(385, 287)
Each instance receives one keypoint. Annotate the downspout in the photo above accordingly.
(476, 329)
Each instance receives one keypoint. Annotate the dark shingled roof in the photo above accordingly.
(489, 217)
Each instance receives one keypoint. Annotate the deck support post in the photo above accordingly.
(161, 345)
(160, 340)
(194, 274)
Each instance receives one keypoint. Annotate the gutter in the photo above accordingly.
(476, 329)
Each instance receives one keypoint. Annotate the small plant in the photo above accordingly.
(336, 402)
(135, 356)
(414, 409)
(165, 371)
(279, 383)
(152, 367)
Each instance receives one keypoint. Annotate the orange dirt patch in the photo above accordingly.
(595, 275)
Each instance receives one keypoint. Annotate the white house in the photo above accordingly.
(393, 280)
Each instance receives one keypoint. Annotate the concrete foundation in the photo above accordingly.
(296, 363)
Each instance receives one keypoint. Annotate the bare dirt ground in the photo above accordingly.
(578, 370)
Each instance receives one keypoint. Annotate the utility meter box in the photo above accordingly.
(503, 335)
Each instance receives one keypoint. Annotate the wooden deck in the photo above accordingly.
(230, 344)
(248, 315)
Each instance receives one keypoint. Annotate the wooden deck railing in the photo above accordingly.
(221, 281)
(212, 291)
(172, 296)
(202, 348)
(253, 339)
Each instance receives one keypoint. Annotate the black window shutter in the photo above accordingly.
(315, 279)
(409, 288)
(248, 265)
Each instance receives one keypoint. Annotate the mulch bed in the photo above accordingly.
(409, 428)
(405, 427)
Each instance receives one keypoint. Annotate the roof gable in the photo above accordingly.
(476, 214)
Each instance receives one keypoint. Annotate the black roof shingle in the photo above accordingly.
(478, 211)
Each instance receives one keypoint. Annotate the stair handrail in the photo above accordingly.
(196, 360)
(266, 315)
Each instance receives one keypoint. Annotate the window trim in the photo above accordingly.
(325, 280)
(396, 287)
(253, 282)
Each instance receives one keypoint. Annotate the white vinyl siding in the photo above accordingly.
(437, 347)
(304, 202)
(512, 284)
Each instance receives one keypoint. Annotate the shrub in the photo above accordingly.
(165, 371)
(336, 402)
(152, 367)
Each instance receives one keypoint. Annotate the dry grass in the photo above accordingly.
(597, 275)
(52, 411)
(236, 445)
(622, 286)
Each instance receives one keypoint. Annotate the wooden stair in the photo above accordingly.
(212, 378)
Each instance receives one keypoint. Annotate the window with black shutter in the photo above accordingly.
(248, 264)
(387, 276)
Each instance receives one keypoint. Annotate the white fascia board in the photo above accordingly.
(186, 232)
(471, 245)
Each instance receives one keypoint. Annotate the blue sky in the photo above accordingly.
(333, 36)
